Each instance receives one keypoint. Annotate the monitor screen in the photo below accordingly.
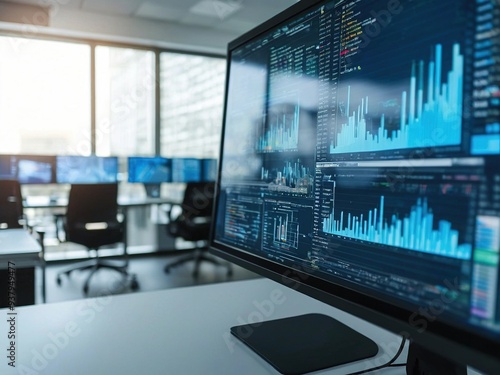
(149, 170)
(360, 152)
(186, 170)
(28, 169)
(209, 169)
(73, 169)
(6, 171)
(34, 169)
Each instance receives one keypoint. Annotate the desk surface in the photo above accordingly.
(124, 201)
(17, 243)
(177, 331)
(182, 331)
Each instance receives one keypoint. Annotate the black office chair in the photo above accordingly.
(92, 221)
(193, 224)
(11, 205)
(12, 217)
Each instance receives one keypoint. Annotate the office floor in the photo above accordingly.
(150, 275)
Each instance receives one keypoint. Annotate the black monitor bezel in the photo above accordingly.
(450, 341)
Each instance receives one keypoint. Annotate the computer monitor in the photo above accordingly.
(186, 170)
(6, 171)
(74, 169)
(150, 171)
(34, 169)
(28, 169)
(360, 165)
(209, 169)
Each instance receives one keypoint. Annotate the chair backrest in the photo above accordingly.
(193, 224)
(11, 204)
(198, 199)
(93, 203)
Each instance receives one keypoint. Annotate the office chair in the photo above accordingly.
(193, 224)
(92, 221)
(12, 217)
(11, 204)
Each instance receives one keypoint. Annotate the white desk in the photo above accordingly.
(128, 205)
(181, 331)
(18, 246)
(123, 201)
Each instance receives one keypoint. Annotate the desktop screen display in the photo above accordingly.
(6, 167)
(360, 149)
(86, 169)
(28, 169)
(34, 169)
(149, 170)
(186, 170)
(209, 169)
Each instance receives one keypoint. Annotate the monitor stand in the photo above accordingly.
(153, 190)
(305, 343)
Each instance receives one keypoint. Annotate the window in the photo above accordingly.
(125, 99)
(192, 91)
(44, 97)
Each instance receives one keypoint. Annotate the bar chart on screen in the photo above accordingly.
(429, 115)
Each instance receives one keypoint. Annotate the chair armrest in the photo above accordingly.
(171, 225)
(59, 218)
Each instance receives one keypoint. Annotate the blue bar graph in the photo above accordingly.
(413, 232)
(435, 122)
(286, 229)
(282, 133)
(293, 177)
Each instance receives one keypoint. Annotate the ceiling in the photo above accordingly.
(232, 16)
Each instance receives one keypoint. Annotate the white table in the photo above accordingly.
(177, 331)
(18, 246)
(20, 251)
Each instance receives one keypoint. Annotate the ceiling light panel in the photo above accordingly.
(221, 9)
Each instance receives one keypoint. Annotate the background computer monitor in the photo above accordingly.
(209, 169)
(28, 169)
(186, 170)
(359, 165)
(72, 169)
(149, 170)
(34, 169)
(6, 171)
